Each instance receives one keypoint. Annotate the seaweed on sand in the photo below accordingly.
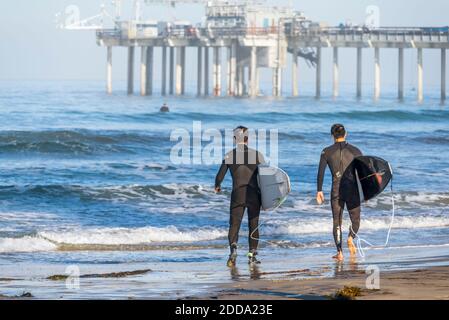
(62, 277)
(348, 293)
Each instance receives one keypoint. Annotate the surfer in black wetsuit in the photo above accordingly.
(164, 108)
(339, 158)
(242, 162)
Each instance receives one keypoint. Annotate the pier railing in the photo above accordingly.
(240, 32)
(307, 34)
(380, 34)
(193, 33)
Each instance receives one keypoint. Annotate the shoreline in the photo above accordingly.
(425, 283)
(421, 284)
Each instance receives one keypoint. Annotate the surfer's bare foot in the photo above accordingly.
(351, 246)
(232, 257)
(231, 261)
(338, 256)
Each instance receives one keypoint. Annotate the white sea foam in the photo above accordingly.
(51, 240)
(125, 236)
(25, 244)
(324, 225)
(25, 216)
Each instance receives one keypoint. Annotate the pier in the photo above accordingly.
(245, 38)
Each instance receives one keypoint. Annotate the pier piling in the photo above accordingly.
(228, 70)
(420, 75)
(164, 72)
(130, 70)
(253, 73)
(443, 74)
(172, 71)
(295, 92)
(318, 73)
(239, 80)
(217, 71)
(401, 74)
(180, 70)
(359, 72)
(376, 73)
(206, 71)
(109, 70)
(146, 71)
(149, 71)
(336, 74)
(233, 69)
(199, 82)
(143, 71)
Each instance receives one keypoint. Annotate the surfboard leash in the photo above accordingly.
(262, 223)
(359, 240)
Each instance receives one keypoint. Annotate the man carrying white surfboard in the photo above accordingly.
(243, 164)
(339, 158)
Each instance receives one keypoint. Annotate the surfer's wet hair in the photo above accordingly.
(338, 131)
(241, 133)
(244, 129)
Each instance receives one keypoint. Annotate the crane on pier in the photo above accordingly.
(70, 18)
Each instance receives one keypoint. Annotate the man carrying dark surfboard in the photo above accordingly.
(243, 163)
(339, 158)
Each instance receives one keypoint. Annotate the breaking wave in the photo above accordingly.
(125, 238)
(82, 142)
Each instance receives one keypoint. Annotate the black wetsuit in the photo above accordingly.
(243, 163)
(339, 157)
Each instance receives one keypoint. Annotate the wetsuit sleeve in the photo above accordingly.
(321, 171)
(221, 174)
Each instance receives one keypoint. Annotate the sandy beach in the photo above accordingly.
(401, 276)
(422, 284)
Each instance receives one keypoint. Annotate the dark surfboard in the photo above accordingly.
(373, 175)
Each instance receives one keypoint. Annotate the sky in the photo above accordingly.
(33, 48)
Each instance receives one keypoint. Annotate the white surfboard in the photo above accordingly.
(274, 186)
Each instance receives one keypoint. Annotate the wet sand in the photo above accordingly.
(422, 284)
(405, 273)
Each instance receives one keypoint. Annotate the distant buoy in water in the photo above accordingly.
(164, 108)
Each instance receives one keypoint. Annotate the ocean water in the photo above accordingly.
(86, 181)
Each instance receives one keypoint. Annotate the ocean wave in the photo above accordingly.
(412, 200)
(302, 226)
(194, 193)
(146, 238)
(26, 244)
(114, 193)
(434, 140)
(53, 240)
(82, 142)
(118, 236)
(384, 115)
(404, 201)
(267, 117)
